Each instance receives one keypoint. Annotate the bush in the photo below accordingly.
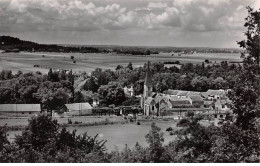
(138, 123)
(169, 129)
(183, 123)
(74, 61)
(171, 133)
(69, 121)
(206, 61)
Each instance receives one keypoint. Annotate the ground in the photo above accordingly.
(117, 135)
(25, 61)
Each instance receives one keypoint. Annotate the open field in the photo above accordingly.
(118, 135)
(25, 61)
(83, 119)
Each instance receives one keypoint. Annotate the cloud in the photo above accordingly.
(138, 20)
(70, 15)
(210, 15)
(157, 5)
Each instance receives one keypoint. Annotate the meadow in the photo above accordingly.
(88, 62)
(118, 135)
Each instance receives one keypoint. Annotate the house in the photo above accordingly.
(78, 109)
(215, 94)
(222, 105)
(129, 91)
(171, 92)
(180, 102)
(208, 104)
(197, 101)
(19, 110)
(182, 94)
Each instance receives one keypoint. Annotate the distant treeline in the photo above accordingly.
(136, 52)
(12, 44)
(172, 62)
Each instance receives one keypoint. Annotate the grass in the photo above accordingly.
(120, 134)
(88, 62)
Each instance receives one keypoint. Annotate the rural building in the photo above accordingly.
(78, 109)
(214, 94)
(19, 110)
(197, 101)
(129, 91)
(149, 106)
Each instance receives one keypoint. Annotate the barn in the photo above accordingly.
(19, 110)
(78, 109)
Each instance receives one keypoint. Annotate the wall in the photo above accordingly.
(18, 114)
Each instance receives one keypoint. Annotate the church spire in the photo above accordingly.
(148, 77)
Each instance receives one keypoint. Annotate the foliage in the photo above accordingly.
(43, 141)
(155, 140)
(112, 93)
(245, 93)
(169, 129)
(131, 101)
(183, 122)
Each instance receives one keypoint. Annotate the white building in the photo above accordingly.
(19, 110)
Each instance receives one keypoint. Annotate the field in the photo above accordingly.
(118, 135)
(25, 61)
(87, 119)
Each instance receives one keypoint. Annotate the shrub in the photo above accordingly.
(171, 133)
(183, 123)
(138, 123)
(74, 61)
(69, 121)
(206, 61)
(169, 129)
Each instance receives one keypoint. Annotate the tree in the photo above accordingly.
(40, 131)
(200, 83)
(245, 91)
(155, 140)
(71, 80)
(112, 93)
(3, 137)
(78, 97)
(91, 85)
(6, 95)
(119, 67)
(52, 95)
(130, 66)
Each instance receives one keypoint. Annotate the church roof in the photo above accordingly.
(148, 77)
(149, 101)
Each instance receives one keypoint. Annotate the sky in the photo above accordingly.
(179, 23)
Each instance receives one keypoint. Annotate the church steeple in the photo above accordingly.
(148, 82)
(148, 77)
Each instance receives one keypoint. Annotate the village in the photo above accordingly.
(212, 104)
(158, 81)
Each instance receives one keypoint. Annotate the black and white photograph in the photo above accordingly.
(129, 81)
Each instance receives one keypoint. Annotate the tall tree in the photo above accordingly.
(245, 94)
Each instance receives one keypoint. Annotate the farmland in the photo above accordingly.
(118, 135)
(26, 61)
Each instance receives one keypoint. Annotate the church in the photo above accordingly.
(148, 103)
